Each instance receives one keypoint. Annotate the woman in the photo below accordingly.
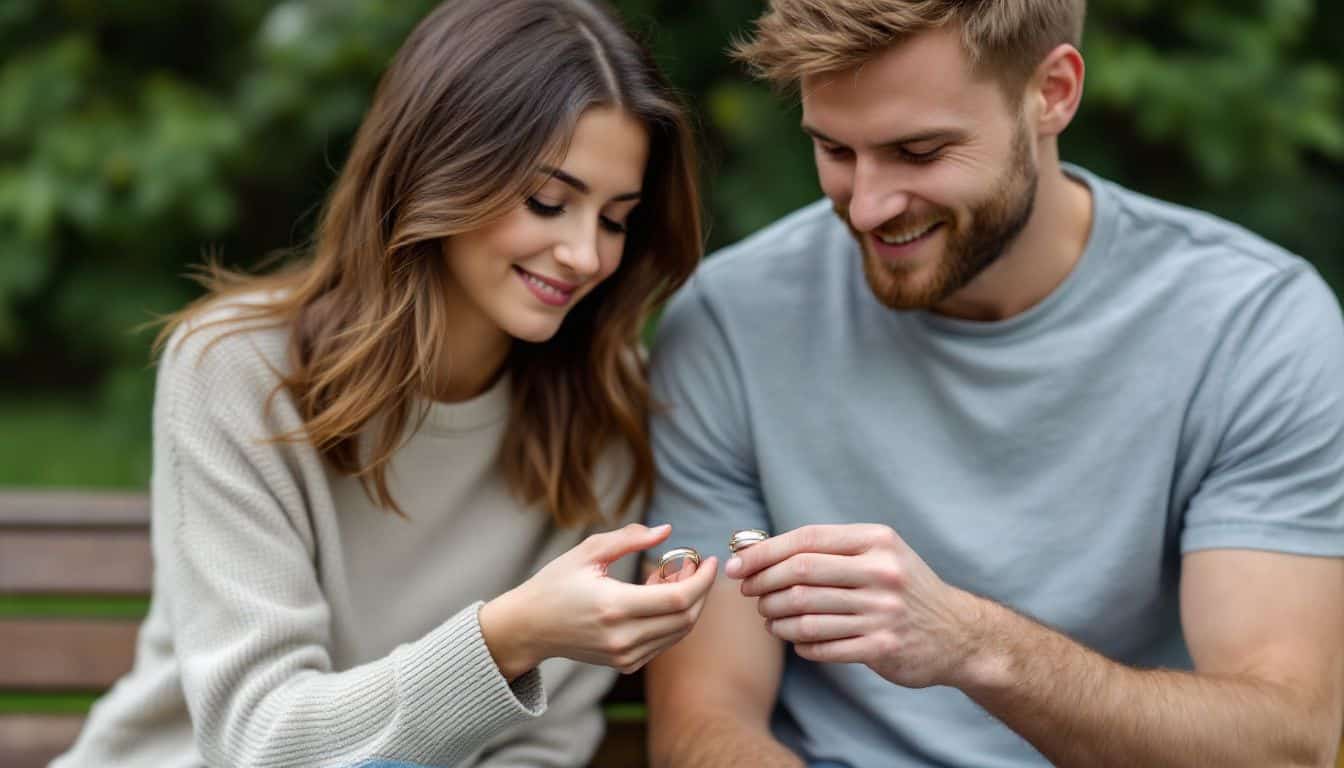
(384, 479)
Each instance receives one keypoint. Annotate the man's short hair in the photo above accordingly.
(1005, 39)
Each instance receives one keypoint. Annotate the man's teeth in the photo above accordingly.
(542, 284)
(907, 237)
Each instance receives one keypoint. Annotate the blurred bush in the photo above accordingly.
(135, 135)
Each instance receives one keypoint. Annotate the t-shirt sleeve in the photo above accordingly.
(707, 483)
(1275, 393)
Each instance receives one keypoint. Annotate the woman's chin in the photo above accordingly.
(534, 332)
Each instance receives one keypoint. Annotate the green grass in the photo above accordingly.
(66, 606)
(46, 703)
(71, 445)
(625, 713)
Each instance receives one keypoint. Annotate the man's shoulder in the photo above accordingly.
(1196, 239)
(778, 263)
(1194, 274)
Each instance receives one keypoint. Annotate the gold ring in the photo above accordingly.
(673, 555)
(745, 538)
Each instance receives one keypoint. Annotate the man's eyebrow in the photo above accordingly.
(581, 186)
(931, 134)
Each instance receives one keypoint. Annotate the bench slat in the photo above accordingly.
(31, 741)
(51, 562)
(75, 509)
(64, 655)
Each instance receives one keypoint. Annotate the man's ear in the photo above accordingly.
(1057, 88)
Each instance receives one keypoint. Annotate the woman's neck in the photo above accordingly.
(471, 358)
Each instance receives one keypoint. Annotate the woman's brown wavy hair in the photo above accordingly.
(480, 96)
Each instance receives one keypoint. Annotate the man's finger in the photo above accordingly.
(848, 650)
(828, 539)
(806, 569)
(817, 628)
(802, 599)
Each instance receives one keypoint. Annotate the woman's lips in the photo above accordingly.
(548, 291)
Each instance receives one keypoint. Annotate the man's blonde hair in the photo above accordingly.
(1005, 39)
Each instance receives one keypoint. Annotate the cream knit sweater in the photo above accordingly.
(295, 624)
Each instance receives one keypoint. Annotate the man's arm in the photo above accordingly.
(711, 695)
(1266, 632)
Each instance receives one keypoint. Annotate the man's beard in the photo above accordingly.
(991, 227)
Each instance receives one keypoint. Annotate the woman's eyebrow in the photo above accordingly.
(581, 186)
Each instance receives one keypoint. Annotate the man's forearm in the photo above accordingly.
(710, 739)
(1081, 709)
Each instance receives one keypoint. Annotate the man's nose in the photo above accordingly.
(876, 198)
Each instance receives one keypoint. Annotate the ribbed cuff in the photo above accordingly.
(454, 699)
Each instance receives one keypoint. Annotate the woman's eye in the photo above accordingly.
(542, 209)
(836, 152)
(615, 227)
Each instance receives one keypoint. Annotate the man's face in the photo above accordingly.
(930, 167)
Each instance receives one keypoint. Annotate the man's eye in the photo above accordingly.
(542, 209)
(922, 157)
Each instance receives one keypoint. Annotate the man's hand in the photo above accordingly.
(859, 593)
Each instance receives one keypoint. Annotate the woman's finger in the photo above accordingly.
(656, 598)
(608, 547)
(649, 651)
(652, 630)
(684, 569)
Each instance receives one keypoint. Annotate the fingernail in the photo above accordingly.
(660, 528)
(734, 565)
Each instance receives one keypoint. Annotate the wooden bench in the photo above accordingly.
(74, 583)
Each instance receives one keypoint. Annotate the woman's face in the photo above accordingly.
(522, 273)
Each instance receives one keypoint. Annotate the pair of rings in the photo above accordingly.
(679, 555)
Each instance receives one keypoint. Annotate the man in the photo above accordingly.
(1053, 471)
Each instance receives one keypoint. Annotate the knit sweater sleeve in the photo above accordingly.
(251, 625)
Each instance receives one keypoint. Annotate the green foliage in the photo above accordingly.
(1235, 106)
(58, 443)
(135, 135)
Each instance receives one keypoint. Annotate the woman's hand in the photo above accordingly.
(571, 608)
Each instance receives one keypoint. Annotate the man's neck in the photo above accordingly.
(1039, 259)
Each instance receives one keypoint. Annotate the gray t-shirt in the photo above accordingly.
(1182, 389)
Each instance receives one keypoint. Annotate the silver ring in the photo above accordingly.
(746, 537)
(673, 555)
